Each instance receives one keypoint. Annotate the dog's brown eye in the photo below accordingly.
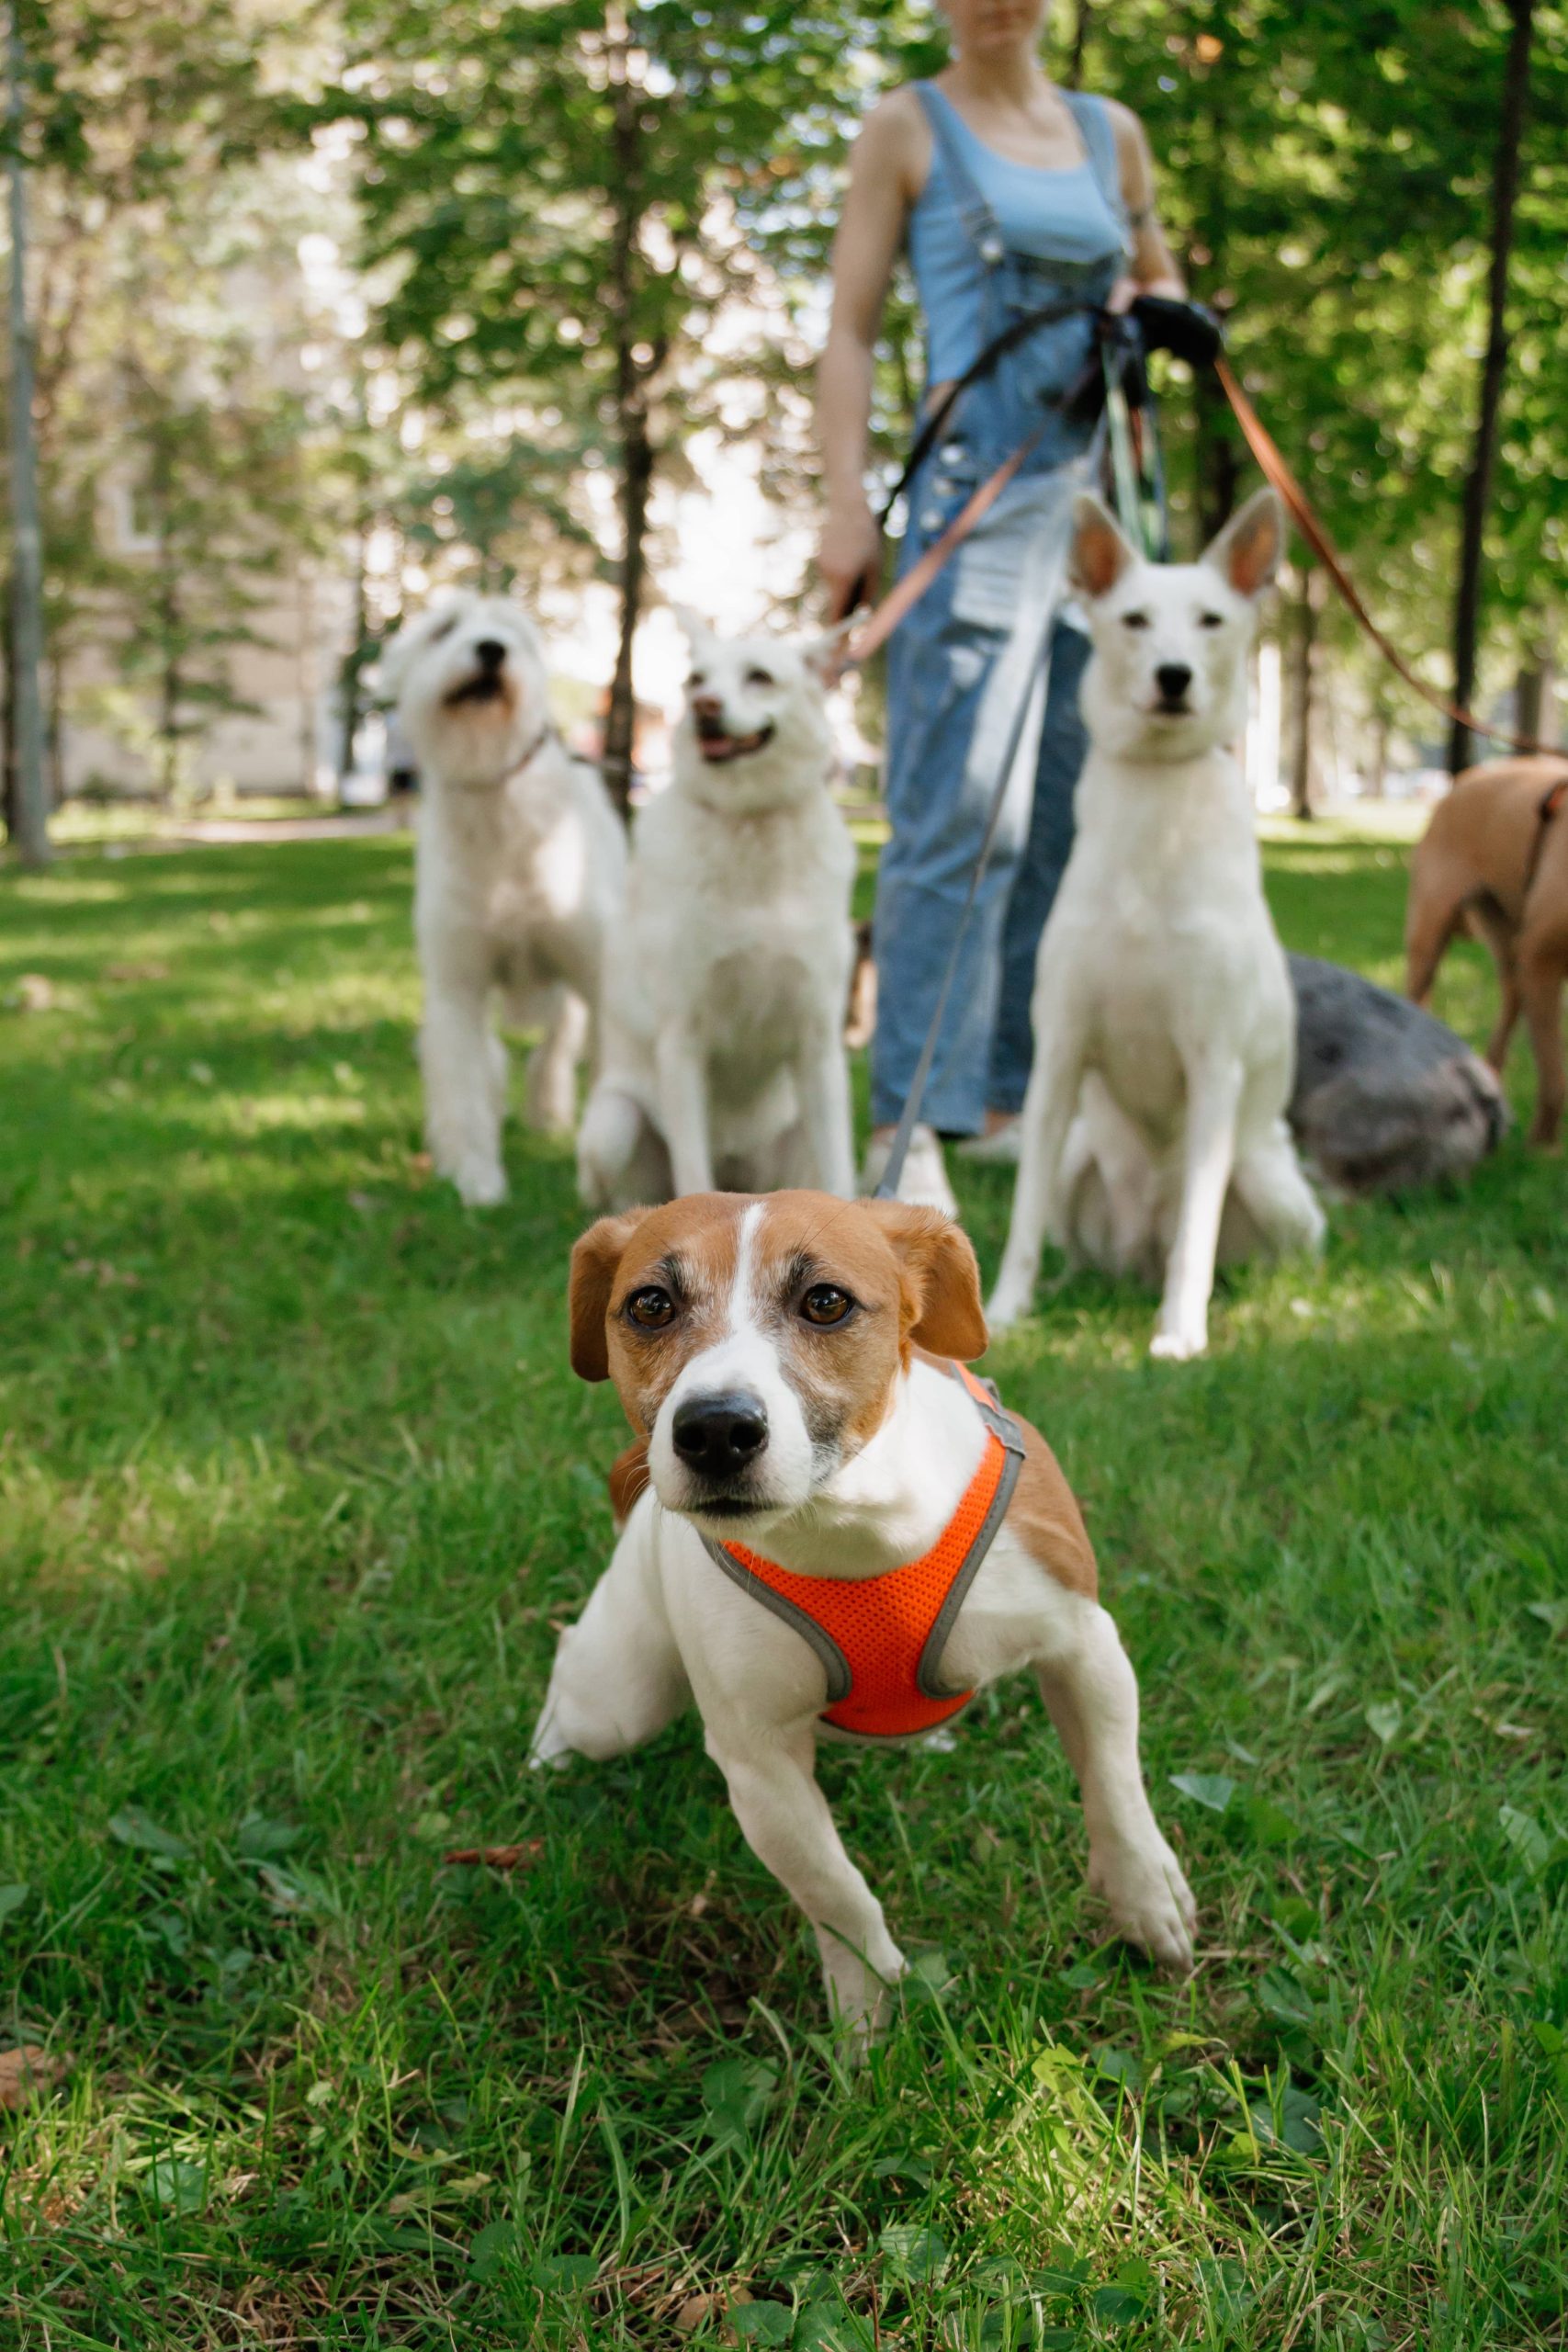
(1134, 620)
(650, 1309)
(1213, 620)
(759, 677)
(826, 1302)
(446, 630)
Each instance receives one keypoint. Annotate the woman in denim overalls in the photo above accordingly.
(952, 166)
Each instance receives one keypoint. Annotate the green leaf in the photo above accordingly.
(259, 1838)
(1211, 1789)
(567, 2270)
(1385, 1719)
(12, 1898)
(919, 2255)
(764, 2323)
(1528, 1839)
(736, 2093)
(1280, 1997)
(829, 2326)
(176, 2184)
(134, 1827)
(1268, 1824)
(496, 2242)
(1119, 2066)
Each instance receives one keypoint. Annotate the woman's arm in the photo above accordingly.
(883, 165)
(1154, 268)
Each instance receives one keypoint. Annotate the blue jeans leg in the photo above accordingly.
(1062, 744)
(937, 675)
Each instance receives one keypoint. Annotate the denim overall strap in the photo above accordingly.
(980, 224)
(1097, 132)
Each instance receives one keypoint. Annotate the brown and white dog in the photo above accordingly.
(1496, 857)
(788, 1365)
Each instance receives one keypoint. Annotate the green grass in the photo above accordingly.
(295, 1484)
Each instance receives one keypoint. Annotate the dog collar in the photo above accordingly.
(546, 734)
(881, 1638)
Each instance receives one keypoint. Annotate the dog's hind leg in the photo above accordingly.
(1276, 1195)
(1092, 1695)
(617, 1678)
(1048, 1112)
(550, 1100)
(464, 1067)
(1543, 967)
(1438, 891)
(1501, 939)
(1213, 1098)
(822, 1081)
(621, 1159)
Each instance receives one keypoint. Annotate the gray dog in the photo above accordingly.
(1386, 1098)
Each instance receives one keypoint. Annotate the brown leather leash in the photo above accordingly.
(1269, 457)
(880, 623)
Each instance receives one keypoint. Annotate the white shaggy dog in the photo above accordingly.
(1165, 1027)
(723, 1054)
(520, 872)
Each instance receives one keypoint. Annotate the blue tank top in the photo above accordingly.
(1052, 216)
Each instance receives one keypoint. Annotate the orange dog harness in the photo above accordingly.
(881, 1638)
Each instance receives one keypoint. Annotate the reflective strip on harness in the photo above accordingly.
(881, 1638)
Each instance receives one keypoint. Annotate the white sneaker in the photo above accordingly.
(1003, 1148)
(924, 1181)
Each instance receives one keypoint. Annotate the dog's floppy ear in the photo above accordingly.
(1101, 551)
(943, 1279)
(594, 1263)
(392, 660)
(1249, 549)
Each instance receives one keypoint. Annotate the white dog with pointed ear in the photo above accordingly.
(723, 1062)
(520, 875)
(1153, 1132)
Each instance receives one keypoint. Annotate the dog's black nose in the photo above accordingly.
(489, 652)
(1173, 679)
(718, 1436)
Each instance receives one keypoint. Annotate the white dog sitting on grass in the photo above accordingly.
(723, 1060)
(521, 872)
(1154, 1131)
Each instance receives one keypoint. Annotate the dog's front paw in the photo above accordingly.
(860, 1997)
(1009, 1303)
(481, 1183)
(1179, 1346)
(1149, 1901)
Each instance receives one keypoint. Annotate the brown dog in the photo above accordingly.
(1495, 857)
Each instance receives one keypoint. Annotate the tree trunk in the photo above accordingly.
(1219, 456)
(636, 482)
(8, 765)
(353, 663)
(633, 377)
(169, 684)
(1303, 674)
(1534, 700)
(1494, 373)
(1081, 22)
